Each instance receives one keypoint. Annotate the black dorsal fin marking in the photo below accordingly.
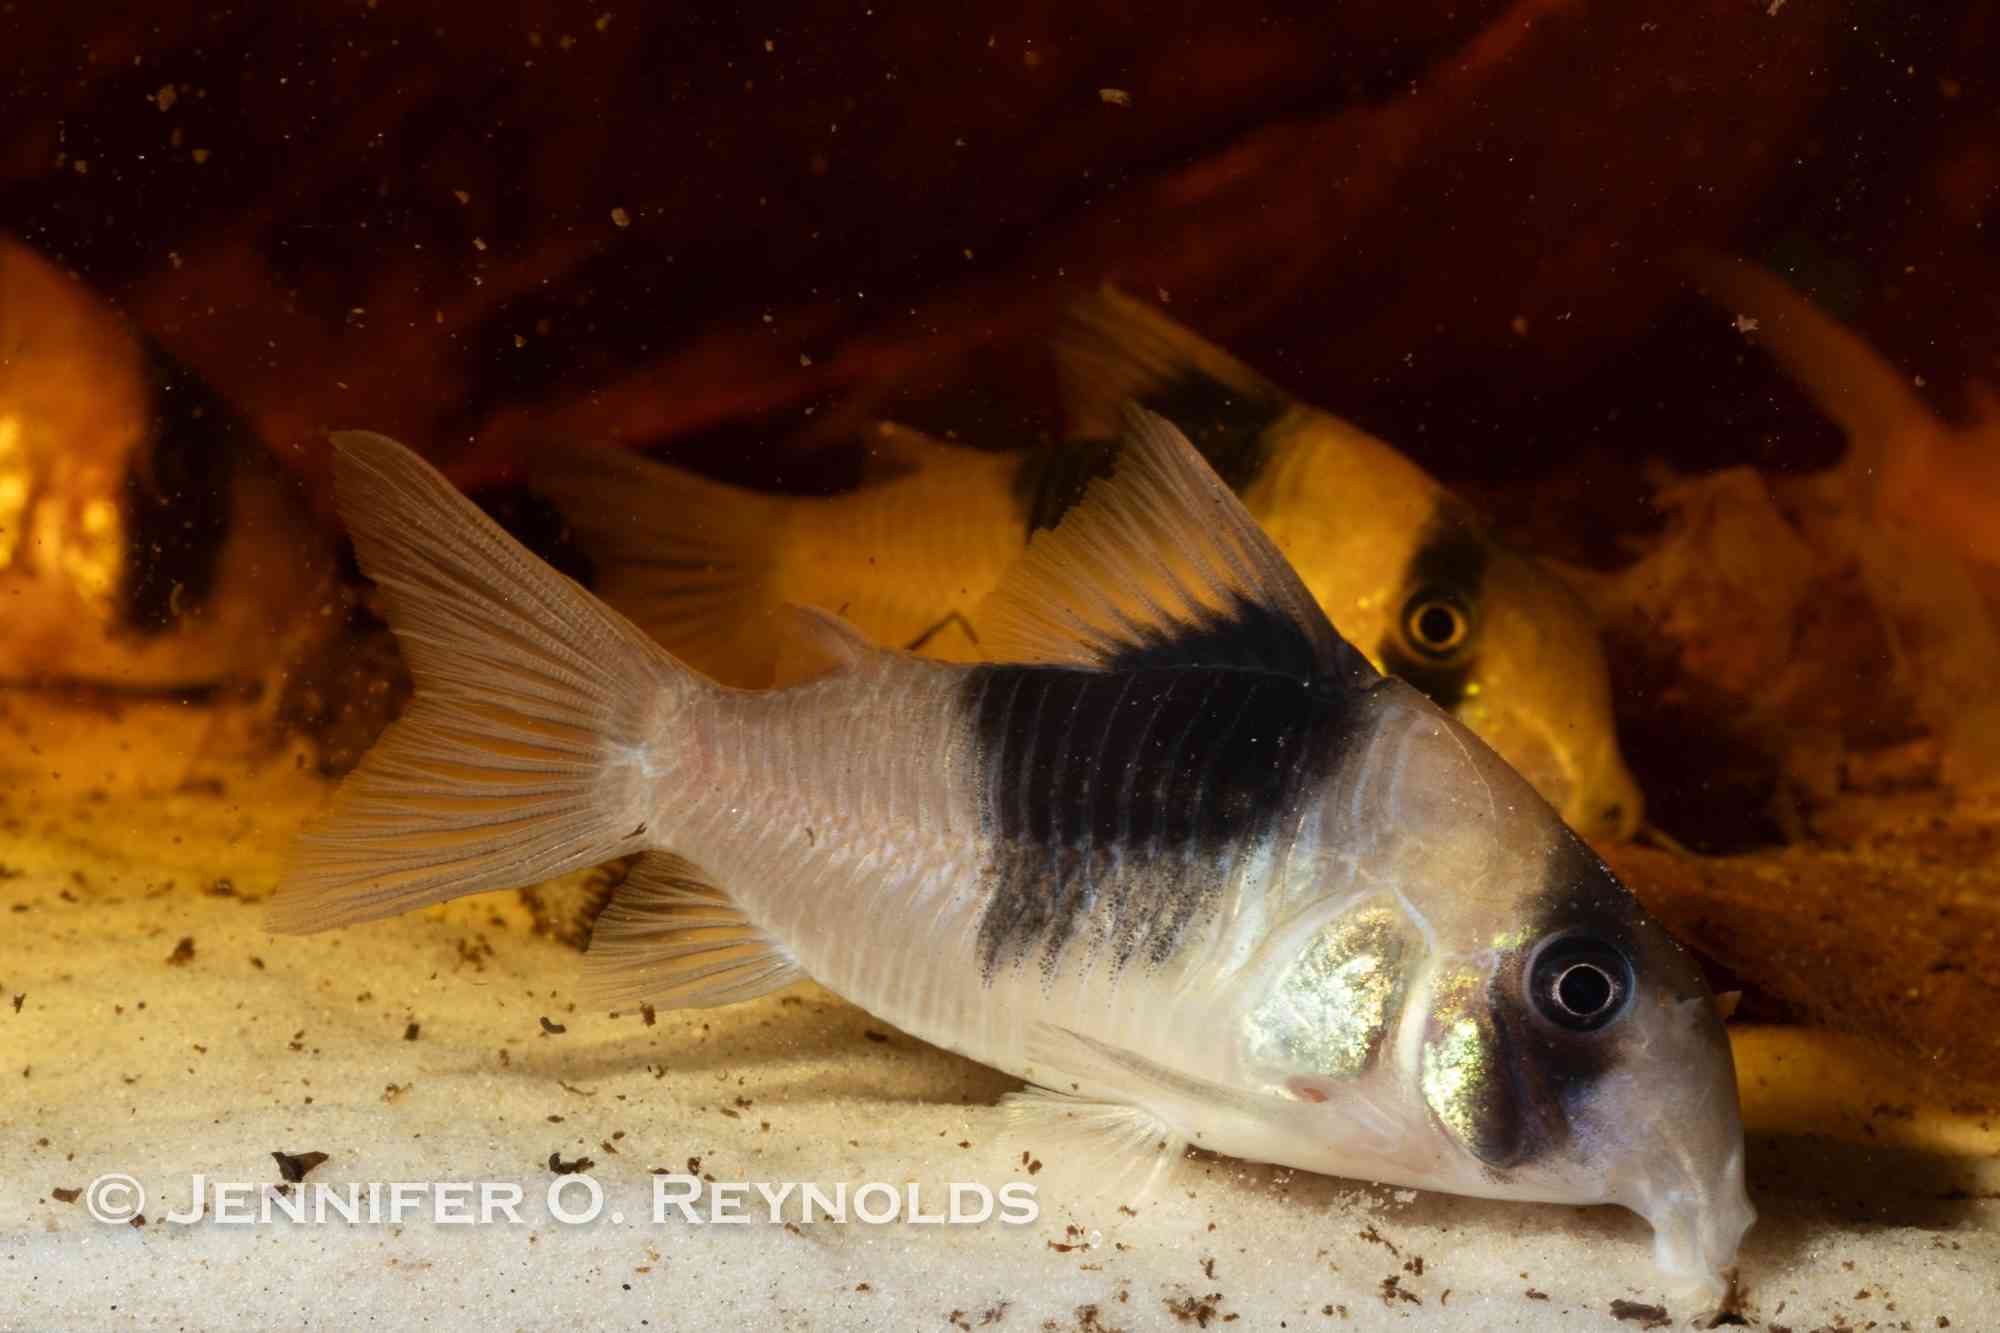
(1114, 349)
(1050, 479)
(1161, 566)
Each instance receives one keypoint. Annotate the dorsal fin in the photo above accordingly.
(1114, 349)
(1160, 565)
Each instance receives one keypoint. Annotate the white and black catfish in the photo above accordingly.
(1184, 859)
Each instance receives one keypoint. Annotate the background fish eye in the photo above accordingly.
(1435, 624)
(1580, 983)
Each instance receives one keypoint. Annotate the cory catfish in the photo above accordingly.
(1180, 858)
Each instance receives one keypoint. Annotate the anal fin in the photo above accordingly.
(673, 939)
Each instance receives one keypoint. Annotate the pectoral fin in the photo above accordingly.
(1100, 1107)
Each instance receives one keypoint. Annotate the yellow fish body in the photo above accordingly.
(1403, 568)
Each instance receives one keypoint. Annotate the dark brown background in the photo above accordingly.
(1446, 222)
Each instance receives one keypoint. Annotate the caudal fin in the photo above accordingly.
(690, 560)
(534, 743)
(1847, 379)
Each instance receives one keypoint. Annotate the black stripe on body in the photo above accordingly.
(1449, 566)
(179, 487)
(1229, 428)
(1118, 802)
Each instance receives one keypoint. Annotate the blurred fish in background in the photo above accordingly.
(153, 550)
(148, 540)
(1406, 570)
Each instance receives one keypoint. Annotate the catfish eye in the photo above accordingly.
(1580, 983)
(1435, 625)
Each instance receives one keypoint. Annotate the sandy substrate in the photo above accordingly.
(150, 1026)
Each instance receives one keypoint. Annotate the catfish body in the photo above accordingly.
(1405, 570)
(1181, 857)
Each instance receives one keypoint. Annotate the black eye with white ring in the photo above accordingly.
(1580, 983)
(1435, 625)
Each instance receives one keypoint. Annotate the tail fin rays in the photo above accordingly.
(533, 746)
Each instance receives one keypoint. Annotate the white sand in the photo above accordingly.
(119, 1061)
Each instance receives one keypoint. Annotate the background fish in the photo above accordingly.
(1404, 569)
(1183, 860)
(149, 542)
